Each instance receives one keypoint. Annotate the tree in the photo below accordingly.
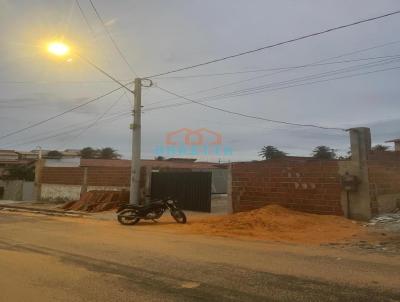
(89, 152)
(159, 157)
(270, 152)
(380, 148)
(54, 154)
(324, 152)
(108, 153)
(345, 157)
(20, 172)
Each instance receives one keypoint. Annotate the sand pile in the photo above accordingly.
(277, 223)
(97, 201)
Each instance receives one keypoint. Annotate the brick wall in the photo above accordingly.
(109, 176)
(302, 184)
(96, 176)
(62, 175)
(384, 175)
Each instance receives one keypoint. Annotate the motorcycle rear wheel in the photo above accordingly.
(179, 216)
(128, 217)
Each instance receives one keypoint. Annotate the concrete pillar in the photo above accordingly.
(84, 183)
(360, 143)
(229, 190)
(147, 186)
(359, 200)
(38, 176)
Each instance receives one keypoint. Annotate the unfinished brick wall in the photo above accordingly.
(96, 176)
(383, 175)
(109, 176)
(62, 175)
(113, 176)
(302, 184)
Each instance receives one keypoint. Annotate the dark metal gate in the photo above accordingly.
(191, 189)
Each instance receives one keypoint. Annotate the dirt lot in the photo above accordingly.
(47, 258)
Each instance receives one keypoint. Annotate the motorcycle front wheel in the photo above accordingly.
(179, 216)
(128, 217)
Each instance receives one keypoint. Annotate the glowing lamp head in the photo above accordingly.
(58, 49)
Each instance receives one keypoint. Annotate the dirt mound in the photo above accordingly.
(277, 223)
(97, 201)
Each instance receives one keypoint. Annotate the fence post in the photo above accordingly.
(230, 206)
(84, 183)
(359, 201)
(39, 164)
(147, 186)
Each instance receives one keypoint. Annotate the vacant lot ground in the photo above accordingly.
(44, 258)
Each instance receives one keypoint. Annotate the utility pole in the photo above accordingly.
(136, 141)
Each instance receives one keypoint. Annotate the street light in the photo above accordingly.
(60, 49)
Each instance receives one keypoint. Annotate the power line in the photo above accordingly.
(276, 68)
(284, 84)
(111, 38)
(276, 44)
(279, 88)
(286, 68)
(57, 82)
(282, 71)
(248, 115)
(58, 115)
(104, 72)
(100, 117)
(254, 78)
(310, 77)
(74, 129)
(193, 66)
(313, 82)
(76, 107)
(85, 18)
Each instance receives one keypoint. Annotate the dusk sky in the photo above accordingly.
(353, 83)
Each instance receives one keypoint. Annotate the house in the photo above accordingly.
(8, 156)
(396, 143)
(27, 155)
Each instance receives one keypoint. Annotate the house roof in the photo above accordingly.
(179, 159)
(17, 162)
(8, 152)
(149, 163)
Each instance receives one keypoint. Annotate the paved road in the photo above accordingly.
(46, 258)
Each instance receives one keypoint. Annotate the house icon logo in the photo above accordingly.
(193, 142)
(189, 137)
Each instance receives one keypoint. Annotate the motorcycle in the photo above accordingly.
(129, 214)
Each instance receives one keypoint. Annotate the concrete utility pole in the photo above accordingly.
(136, 141)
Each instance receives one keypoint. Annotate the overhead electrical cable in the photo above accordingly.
(248, 115)
(283, 71)
(313, 76)
(58, 115)
(112, 118)
(112, 39)
(286, 68)
(276, 68)
(100, 116)
(276, 44)
(201, 64)
(85, 18)
(283, 85)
